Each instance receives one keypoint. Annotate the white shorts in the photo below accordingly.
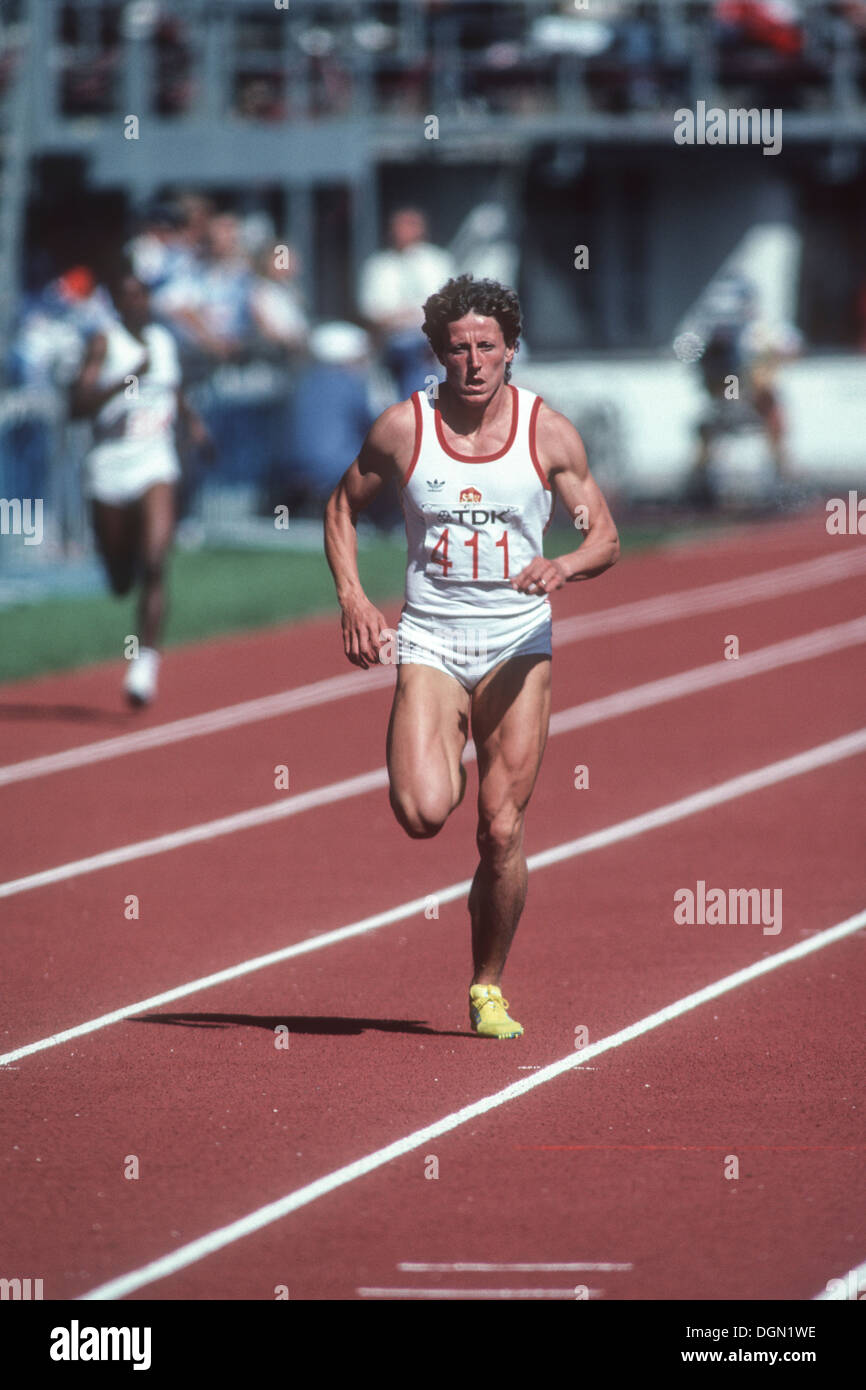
(468, 653)
(119, 481)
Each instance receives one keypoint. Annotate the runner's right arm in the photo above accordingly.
(390, 438)
(87, 397)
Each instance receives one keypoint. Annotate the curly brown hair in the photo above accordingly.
(466, 295)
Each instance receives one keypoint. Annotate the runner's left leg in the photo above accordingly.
(157, 511)
(510, 716)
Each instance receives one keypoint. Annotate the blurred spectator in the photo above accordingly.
(761, 52)
(160, 251)
(89, 58)
(739, 363)
(393, 287)
(330, 410)
(209, 304)
(771, 24)
(54, 330)
(260, 97)
(275, 301)
(571, 32)
(196, 212)
(173, 66)
(638, 44)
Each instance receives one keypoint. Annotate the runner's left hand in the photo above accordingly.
(541, 577)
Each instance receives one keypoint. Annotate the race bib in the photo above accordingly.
(475, 543)
(147, 421)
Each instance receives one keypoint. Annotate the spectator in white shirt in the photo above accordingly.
(209, 306)
(276, 303)
(393, 288)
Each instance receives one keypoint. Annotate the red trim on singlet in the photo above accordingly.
(416, 405)
(533, 448)
(480, 458)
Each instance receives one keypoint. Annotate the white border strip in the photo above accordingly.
(405, 1267)
(821, 756)
(486, 1295)
(264, 1216)
(769, 584)
(795, 649)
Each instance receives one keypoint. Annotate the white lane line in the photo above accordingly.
(687, 603)
(795, 649)
(256, 1220)
(194, 726)
(787, 653)
(464, 1267)
(821, 756)
(489, 1295)
(850, 1287)
(665, 608)
(197, 834)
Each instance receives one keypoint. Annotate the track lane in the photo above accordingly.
(317, 1112)
(429, 958)
(73, 708)
(133, 799)
(185, 894)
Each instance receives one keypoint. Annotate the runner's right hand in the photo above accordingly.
(362, 624)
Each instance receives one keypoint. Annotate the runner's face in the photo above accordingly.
(475, 356)
(134, 303)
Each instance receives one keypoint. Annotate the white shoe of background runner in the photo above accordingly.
(140, 682)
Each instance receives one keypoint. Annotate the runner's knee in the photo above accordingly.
(421, 818)
(499, 835)
(121, 580)
(152, 568)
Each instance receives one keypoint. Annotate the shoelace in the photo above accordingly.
(480, 1004)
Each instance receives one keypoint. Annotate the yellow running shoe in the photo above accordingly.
(488, 1013)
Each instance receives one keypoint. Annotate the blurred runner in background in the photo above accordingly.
(130, 385)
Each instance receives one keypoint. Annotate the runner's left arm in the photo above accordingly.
(192, 427)
(563, 458)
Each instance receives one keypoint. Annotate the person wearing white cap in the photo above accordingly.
(330, 409)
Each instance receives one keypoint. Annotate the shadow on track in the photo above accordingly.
(81, 714)
(327, 1025)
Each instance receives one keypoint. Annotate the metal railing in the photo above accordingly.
(360, 59)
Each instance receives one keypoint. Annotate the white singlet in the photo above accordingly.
(134, 431)
(472, 524)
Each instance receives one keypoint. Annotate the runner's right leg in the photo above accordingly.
(427, 734)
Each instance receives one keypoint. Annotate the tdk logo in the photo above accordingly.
(476, 516)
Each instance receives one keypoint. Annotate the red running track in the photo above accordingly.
(619, 1161)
